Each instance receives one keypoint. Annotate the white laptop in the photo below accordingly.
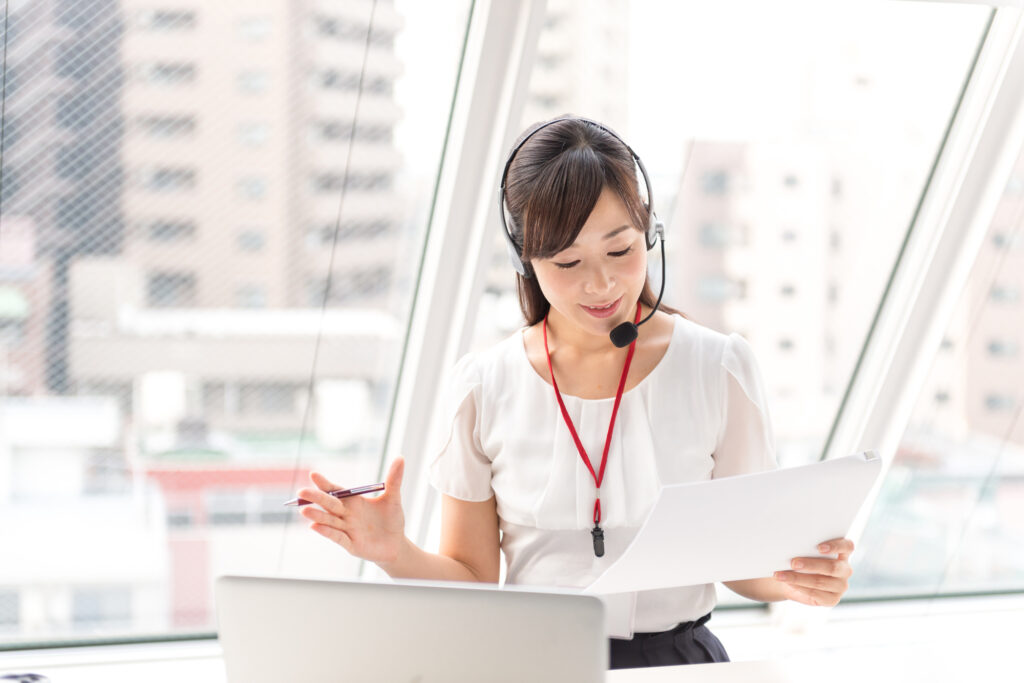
(284, 630)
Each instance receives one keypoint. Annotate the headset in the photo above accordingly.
(625, 333)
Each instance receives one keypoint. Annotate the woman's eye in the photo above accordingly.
(610, 253)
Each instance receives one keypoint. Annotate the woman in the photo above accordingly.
(559, 440)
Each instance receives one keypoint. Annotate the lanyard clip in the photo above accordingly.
(598, 533)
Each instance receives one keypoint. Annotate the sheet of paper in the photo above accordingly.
(742, 527)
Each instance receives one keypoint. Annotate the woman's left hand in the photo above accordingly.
(816, 580)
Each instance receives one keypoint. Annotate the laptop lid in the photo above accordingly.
(279, 630)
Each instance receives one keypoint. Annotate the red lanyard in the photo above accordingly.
(596, 532)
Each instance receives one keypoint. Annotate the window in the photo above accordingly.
(999, 403)
(348, 81)
(252, 187)
(101, 606)
(69, 61)
(166, 73)
(715, 182)
(832, 295)
(72, 163)
(254, 29)
(161, 154)
(10, 610)
(348, 31)
(716, 234)
(1003, 348)
(269, 398)
(717, 288)
(169, 289)
(226, 507)
(253, 134)
(170, 127)
(1013, 241)
(335, 182)
(341, 131)
(350, 286)
(322, 236)
(167, 179)
(253, 81)
(251, 240)
(171, 230)
(251, 296)
(165, 20)
(1005, 294)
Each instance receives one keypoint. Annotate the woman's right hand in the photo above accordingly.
(369, 528)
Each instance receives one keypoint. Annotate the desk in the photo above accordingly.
(200, 661)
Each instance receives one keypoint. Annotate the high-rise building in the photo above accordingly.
(61, 153)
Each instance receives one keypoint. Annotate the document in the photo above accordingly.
(742, 527)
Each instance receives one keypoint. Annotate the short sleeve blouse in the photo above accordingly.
(701, 413)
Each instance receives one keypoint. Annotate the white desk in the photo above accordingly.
(177, 662)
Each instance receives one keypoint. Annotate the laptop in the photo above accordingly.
(286, 630)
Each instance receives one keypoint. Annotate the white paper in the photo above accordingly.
(742, 527)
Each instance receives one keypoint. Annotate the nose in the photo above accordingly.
(598, 281)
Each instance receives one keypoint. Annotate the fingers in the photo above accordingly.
(336, 535)
(812, 596)
(317, 496)
(318, 516)
(843, 546)
(828, 567)
(393, 480)
(819, 582)
(322, 483)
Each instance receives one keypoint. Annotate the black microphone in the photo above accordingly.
(624, 334)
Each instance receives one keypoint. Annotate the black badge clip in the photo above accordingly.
(598, 533)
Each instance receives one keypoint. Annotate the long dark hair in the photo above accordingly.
(552, 186)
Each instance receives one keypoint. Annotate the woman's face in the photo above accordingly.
(607, 264)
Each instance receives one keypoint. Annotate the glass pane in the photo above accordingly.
(950, 515)
(210, 216)
(807, 132)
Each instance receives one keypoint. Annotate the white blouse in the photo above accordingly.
(700, 414)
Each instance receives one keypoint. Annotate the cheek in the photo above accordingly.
(635, 267)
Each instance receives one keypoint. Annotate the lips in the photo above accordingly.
(602, 312)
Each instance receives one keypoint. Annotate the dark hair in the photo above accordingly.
(552, 186)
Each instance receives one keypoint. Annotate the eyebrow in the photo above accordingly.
(610, 235)
(616, 231)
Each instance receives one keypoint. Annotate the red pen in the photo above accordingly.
(341, 493)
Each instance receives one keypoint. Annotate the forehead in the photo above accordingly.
(607, 219)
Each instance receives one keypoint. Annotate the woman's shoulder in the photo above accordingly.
(700, 340)
(483, 359)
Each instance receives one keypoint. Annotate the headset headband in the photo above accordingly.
(655, 228)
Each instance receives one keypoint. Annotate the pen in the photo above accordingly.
(341, 493)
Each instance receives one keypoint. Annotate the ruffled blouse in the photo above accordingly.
(700, 414)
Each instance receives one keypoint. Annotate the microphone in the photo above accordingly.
(624, 334)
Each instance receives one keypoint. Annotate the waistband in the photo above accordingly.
(680, 628)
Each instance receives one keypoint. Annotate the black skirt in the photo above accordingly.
(688, 643)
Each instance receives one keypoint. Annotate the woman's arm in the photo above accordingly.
(374, 529)
(469, 546)
(761, 590)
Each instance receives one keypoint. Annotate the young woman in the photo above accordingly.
(555, 414)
